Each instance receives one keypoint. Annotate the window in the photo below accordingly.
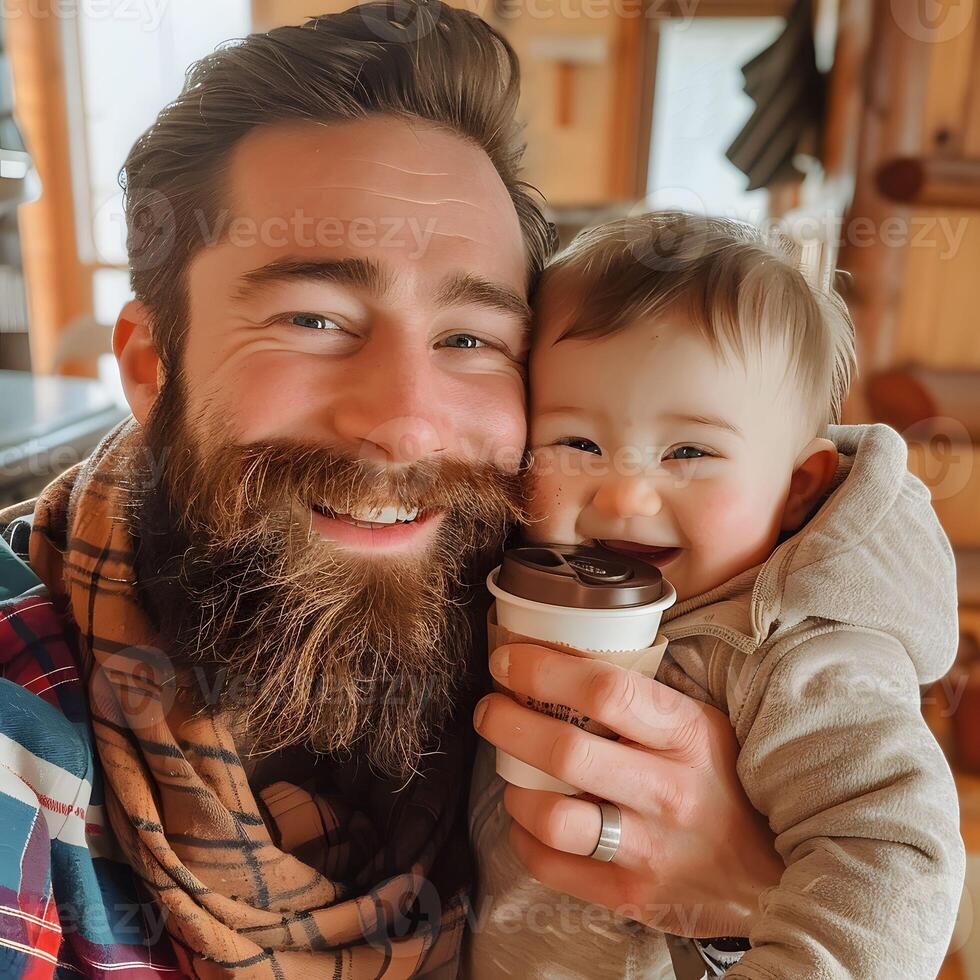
(129, 64)
(699, 108)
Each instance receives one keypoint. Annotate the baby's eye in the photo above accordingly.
(583, 445)
(686, 452)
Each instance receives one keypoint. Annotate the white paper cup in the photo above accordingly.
(626, 637)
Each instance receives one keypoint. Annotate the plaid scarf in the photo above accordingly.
(345, 876)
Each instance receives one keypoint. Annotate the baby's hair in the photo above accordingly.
(742, 288)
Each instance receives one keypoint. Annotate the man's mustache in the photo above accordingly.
(263, 481)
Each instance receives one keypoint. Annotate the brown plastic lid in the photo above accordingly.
(579, 577)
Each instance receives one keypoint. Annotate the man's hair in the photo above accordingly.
(741, 288)
(419, 59)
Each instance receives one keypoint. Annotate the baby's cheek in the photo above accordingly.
(730, 523)
(547, 514)
(713, 510)
(553, 508)
(725, 512)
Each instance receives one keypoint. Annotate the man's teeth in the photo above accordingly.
(380, 515)
(385, 515)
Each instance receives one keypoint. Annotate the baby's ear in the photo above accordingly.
(814, 469)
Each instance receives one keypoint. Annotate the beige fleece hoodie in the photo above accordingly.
(816, 656)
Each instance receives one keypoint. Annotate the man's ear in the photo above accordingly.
(139, 364)
(814, 469)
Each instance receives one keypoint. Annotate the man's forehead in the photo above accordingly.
(381, 170)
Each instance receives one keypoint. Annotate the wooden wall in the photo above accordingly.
(571, 110)
(938, 321)
(916, 285)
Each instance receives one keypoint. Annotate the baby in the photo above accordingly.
(685, 380)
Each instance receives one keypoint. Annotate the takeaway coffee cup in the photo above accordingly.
(588, 601)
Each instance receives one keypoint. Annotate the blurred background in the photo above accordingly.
(853, 123)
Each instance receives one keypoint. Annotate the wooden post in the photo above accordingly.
(897, 74)
(633, 65)
(59, 287)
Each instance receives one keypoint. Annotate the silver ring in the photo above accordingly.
(610, 834)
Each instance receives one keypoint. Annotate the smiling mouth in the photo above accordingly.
(652, 554)
(376, 531)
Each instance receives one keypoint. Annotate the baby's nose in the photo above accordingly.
(628, 498)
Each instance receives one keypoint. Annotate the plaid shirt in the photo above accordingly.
(68, 906)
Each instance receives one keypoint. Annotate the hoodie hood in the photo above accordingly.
(872, 555)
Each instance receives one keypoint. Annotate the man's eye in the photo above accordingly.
(583, 445)
(686, 452)
(314, 321)
(463, 341)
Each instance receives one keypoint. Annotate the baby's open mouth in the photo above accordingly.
(653, 554)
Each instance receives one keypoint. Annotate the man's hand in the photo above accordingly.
(695, 856)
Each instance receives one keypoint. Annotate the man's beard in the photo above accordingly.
(295, 640)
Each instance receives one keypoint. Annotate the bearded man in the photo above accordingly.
(273, 562)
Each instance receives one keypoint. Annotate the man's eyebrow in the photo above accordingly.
(465, 289)
(363, 274)
(715, 421)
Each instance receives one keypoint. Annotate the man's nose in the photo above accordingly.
(390, 409)
(630, 497)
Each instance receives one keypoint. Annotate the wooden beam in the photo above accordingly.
(842, 119)
(59, 288)
(934, 181)
(918, 396)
